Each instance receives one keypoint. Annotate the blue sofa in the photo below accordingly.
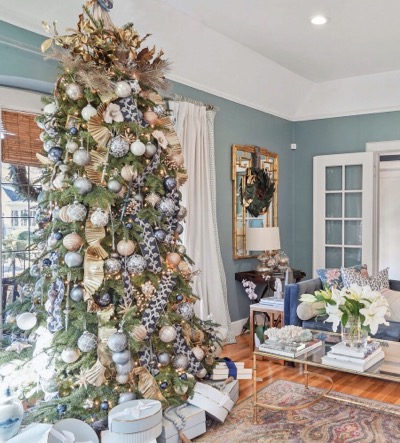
(293, 293)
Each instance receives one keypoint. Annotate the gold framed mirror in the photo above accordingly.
(254, 169)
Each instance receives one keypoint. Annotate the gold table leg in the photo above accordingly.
(255, 389)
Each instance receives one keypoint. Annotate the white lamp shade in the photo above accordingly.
(262, 239)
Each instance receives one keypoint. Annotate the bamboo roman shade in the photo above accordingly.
(20, 141)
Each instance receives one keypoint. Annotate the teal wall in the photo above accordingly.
(237, 124)
(328, 136)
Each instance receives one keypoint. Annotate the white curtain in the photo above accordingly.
(195, 129)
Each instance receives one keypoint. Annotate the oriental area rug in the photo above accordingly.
(327, 421)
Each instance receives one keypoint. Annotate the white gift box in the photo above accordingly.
(195, 424)
(136, 421)
(69, 430)
(231, 388)
(217, 404)
(109, 437)
(32, 433)
(221, 371)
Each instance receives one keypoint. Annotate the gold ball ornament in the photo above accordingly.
(183, 266)
(126, 247)
(167, 334)
(138, 333)
(128, 173)
(72, 241)
(173, 259)
(198, 353)
(63, 215)
(197, 336)
(150, 117)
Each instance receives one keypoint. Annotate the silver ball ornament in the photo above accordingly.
(167, 334)
(117, 342)
(136, 264)
(112, 266)
(114, 185)
(163, 358)
(126, 396)
(179, 229)
(180, 361)
(180, 249)
(50, 109)
(70, 355)
(123, 89)
(48, 145)
(122, 378)
(81, 157)
(150, 149)
(99, 218)
(76, 293)
(76, 211)
(122, 357)
(182, 213)
(71, 147)
(87, 342)
(125, 369)
(83, 185)
(73, 259)
(166, 206)
(74, 91)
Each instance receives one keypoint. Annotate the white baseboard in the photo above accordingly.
(237, 326)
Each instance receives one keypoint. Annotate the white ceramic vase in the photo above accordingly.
(11, 412)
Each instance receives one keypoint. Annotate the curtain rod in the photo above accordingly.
(181, 98)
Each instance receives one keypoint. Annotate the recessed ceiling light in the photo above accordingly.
(319, 20)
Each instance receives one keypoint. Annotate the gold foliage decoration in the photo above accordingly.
(147, 385)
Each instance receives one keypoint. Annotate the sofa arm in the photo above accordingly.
(293, 292)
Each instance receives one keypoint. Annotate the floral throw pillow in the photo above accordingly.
(376, 282)
(332, 277)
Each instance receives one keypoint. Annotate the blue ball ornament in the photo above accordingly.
(46, 262)
(164, 385)
(179, 229)
(104, 405)
(179, 297)
(55, 153)
(169, 183)
(160, 235)
(73, 130)
(128, 225)
(58, 236)
(62, 409)
(183, 376)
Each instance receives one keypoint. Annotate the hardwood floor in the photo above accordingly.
(269, 370)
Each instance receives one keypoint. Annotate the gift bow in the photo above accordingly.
(66, 436)
(134, 411)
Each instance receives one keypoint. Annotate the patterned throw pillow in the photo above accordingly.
(376, 282)
(332, 277)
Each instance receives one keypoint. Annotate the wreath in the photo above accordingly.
(257, 189)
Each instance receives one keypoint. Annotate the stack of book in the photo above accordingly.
(221, 371)
(271, 301)
(355, 359)
(292, 350)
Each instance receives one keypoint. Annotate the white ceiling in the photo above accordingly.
(263, 53)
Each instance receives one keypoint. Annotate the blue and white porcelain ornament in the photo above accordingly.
(160, 234)
(186, 311)
(74, 91)
(169, 183)
(166, 206)
(123, 89)
(11, 412)
(88, 111)
(118, 146)
(138, 148)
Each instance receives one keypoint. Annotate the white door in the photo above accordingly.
(389, 217)
(344, 212)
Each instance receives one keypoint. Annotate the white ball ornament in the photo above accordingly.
(81, 157)
(180, 361)
(126, 247)
(50, 109)
(88, 112)
(167, 334)
(76, 211)
(138, 148)
(126, 396)
(202, 373)
(123, 89)
(74, 91)
(71, 147)
(151, 149)
(26, 321)
(83, 185)
(198, 353)
(99, 218)
(114, 185)
(122, 378)
(70, 355)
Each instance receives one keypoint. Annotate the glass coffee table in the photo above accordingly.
(386, 369)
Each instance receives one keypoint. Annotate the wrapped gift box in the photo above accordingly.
(222, 371)
(109, 437)
(32, 433)
(195, 424)
(136, 421)
(217, 404)
(231, 388)
(68, 429)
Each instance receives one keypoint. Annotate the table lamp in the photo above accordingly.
(263, 239)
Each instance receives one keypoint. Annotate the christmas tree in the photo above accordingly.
(106, 312)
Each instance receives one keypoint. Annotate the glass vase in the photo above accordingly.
(353, 333)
